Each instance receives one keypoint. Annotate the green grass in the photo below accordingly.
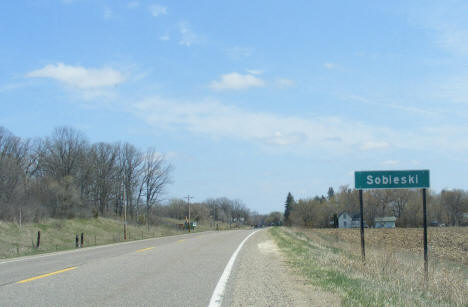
(58, 234)
(385, 280)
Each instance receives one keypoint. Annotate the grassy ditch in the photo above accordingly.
(58, 234)
(390, 277)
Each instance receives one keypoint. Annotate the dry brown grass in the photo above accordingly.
(444, 243)
(394, 262)
(60, 234)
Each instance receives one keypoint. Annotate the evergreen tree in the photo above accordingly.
(330, 193)
(287, 208)
(335, 220)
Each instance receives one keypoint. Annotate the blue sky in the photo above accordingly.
(247, 99)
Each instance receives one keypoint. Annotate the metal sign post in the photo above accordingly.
(406, 179)
(426, 273)
(363, 249)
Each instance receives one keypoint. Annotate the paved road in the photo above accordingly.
(171, 271)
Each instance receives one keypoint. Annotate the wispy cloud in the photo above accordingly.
(329, 65)
(187, 36)
(395, 106)
(78, 76)
(237, 52)
(236, 81)
(372, 145)
(214, 119)
(254, 71)
(446, 22)
(164, 37)
(157, 10)
(108, 13)
(283, 83)
(11, 87)
(391, 163)
(133, 4)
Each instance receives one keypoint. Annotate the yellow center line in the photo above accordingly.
(181, 240)
(45, 275)
(144, 249)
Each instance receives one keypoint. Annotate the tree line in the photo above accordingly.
(448, 207)
(65, 176)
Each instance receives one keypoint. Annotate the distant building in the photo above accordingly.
(349, 220)
(344, 220)
(385, 222)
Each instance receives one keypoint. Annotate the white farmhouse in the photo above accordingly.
(344, 220)
(348, 220)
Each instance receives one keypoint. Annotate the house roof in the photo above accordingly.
(352, 215)
(385, 219)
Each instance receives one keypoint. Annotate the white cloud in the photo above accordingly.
(283, 83)
(239, 52)
(187, 36)
(329, 65)
(236, 81)
(213, 119)
(78, 76)
(157, 10)
(164, 37)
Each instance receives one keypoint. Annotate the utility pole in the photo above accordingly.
(188, 197)
(125, 213)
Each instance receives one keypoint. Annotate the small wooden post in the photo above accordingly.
(38, 239)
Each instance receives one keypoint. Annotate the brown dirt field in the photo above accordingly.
(447, 243)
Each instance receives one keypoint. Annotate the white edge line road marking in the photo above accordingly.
(218, 293)
(25, 258)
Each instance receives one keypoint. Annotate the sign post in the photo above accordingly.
(405, 179)
(425, 234)
(363, 250)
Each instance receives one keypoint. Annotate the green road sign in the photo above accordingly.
(408, 179)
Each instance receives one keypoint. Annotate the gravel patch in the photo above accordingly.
(261, 277)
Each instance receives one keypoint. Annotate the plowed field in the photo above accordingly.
(447, 243)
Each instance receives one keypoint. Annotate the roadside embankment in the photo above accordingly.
(60, 234)
(389, 277)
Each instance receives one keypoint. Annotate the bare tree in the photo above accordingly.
(155, 176)
(399, 200)
(130, 160)
(61, 154)
(105, 174)
(456, 203)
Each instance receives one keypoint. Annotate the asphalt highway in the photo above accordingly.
(171, 271)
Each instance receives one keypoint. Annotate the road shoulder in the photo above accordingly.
(262, 277)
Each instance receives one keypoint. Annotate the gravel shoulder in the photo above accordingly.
(261, 277)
